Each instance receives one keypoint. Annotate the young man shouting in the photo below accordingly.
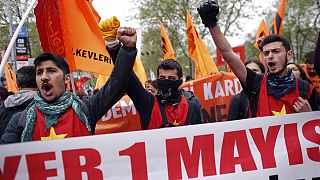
(278, 91)
(55, 113)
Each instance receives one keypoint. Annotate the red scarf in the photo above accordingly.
(69, 125)
(175, 115)
(270, 106)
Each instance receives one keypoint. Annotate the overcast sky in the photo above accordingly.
(121, 9)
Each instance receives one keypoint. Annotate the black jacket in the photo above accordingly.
(13, 104)
(252, 89)
(7, 113)
(97, 104)
(144, 100)
(238, 108)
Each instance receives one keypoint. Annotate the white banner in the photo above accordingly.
(281, 147)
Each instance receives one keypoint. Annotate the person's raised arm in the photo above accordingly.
(208, 12)
(115, 87)
(142, 99)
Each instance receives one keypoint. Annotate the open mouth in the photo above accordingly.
(271, 64)
(46, 87)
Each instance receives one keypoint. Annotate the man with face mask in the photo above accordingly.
(169, 107)
(277, 92)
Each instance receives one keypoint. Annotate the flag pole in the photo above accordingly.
(14, 37)
(72, 84)
(13, 54)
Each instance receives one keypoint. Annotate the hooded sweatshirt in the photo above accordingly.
(19, 98)
(13, 104)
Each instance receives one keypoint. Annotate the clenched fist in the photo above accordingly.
(208, 12)
(127, 36)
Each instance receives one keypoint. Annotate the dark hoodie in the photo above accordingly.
(13, 104)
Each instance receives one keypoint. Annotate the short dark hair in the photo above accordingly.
(261, 66)
(170, 64)
(148, 81)
(4, 93)
(59, 61)
(26, 77)
(188, 78)
(276, 38)
(309, 57)
(154, 84)
(302, 73)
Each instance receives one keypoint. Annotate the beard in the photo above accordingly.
(283, 68)
(312, 74)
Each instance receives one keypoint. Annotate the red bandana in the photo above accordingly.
(270, 106)
(175, 115)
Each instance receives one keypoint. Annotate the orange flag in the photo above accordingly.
(10, 79)
(101, 80)
(168, 52)
(262, 32)
(198, 52)
(276, 27)
(72, 27)
(139, 70)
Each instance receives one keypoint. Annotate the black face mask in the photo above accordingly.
(169, 91)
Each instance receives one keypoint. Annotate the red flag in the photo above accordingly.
(49, 28)
(276, 27)
(84, 79)
(80, 82)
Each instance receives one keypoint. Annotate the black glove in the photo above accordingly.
(208, 13)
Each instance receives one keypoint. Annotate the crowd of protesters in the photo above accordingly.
(43, 108)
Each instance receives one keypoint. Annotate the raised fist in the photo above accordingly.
(208, 12)
(127, 36)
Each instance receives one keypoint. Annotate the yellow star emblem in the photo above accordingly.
(53, 135)
(282, 112)
(176, 123)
